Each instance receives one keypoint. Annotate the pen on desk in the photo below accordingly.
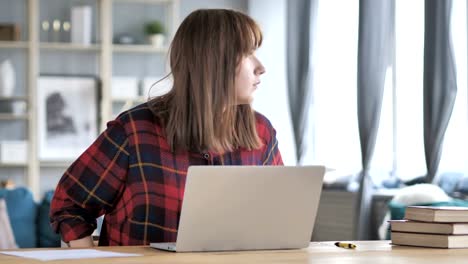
(345, 245)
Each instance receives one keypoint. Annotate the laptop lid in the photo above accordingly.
(249, 207)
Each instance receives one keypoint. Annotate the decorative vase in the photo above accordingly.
(157, 40)
(7, 78)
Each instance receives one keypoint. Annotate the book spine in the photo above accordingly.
(81, 22)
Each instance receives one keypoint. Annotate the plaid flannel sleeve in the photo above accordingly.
(272, 155)
(91, 184)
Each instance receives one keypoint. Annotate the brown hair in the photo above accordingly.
(200, 113)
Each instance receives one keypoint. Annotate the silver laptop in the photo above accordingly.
(247, 208)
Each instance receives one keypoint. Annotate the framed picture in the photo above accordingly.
(68, 120)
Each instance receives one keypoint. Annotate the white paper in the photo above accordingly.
(45, 255)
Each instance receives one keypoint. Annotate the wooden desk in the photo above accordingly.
(374, 252)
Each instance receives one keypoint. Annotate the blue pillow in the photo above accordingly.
(46, 236)
(22, 211)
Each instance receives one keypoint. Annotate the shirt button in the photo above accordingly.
(206, 155)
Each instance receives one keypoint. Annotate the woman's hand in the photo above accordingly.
(82, 242)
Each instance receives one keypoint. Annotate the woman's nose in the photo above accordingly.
(260, 69)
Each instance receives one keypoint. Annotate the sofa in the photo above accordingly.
(29, 220)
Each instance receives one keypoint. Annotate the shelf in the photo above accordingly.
(145, 1)
(55, 164)
(4, 116)
(69, 46)
(14, 44)
(13, 165)
(124, 100)
(139, 48)
(13, 98)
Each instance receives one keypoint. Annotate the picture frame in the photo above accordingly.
(9, 32)
(68, 115)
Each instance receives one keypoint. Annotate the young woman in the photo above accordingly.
(135, 171)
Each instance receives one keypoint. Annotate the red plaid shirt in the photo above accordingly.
(130, 175)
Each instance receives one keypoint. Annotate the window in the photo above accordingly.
(454, 156)
(408, 101)
(333, 130)
(333, 133)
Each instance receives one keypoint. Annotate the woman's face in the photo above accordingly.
(248, 78)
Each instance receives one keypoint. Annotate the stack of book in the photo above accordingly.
(428, 226)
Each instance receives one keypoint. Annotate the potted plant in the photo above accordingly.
(155, 32)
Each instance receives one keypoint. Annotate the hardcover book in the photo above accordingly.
(430, 240)
(427, 227)
(444, 214)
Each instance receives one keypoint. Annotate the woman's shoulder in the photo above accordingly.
(139, 112)
(138, 125)
(264, 127)
(262, 120)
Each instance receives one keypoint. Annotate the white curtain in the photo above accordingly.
(333, 138)
(271, 99)
(454, 156)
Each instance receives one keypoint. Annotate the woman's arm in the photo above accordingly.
(272, 153)
(82, 242)
(90, 187)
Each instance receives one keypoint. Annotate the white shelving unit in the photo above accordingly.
(60, 164)
(14, 98)
(13, 165)
(14, 44)
(138, 48)
(104, 50)
(13, 117)
(69, 47)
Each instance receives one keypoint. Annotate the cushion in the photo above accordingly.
(424, 193)
(46, 236)
(448, 181)
(7, 239)
(22, 211)
(420, 194)
(463, 185)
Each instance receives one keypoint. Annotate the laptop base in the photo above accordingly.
(164, 246)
